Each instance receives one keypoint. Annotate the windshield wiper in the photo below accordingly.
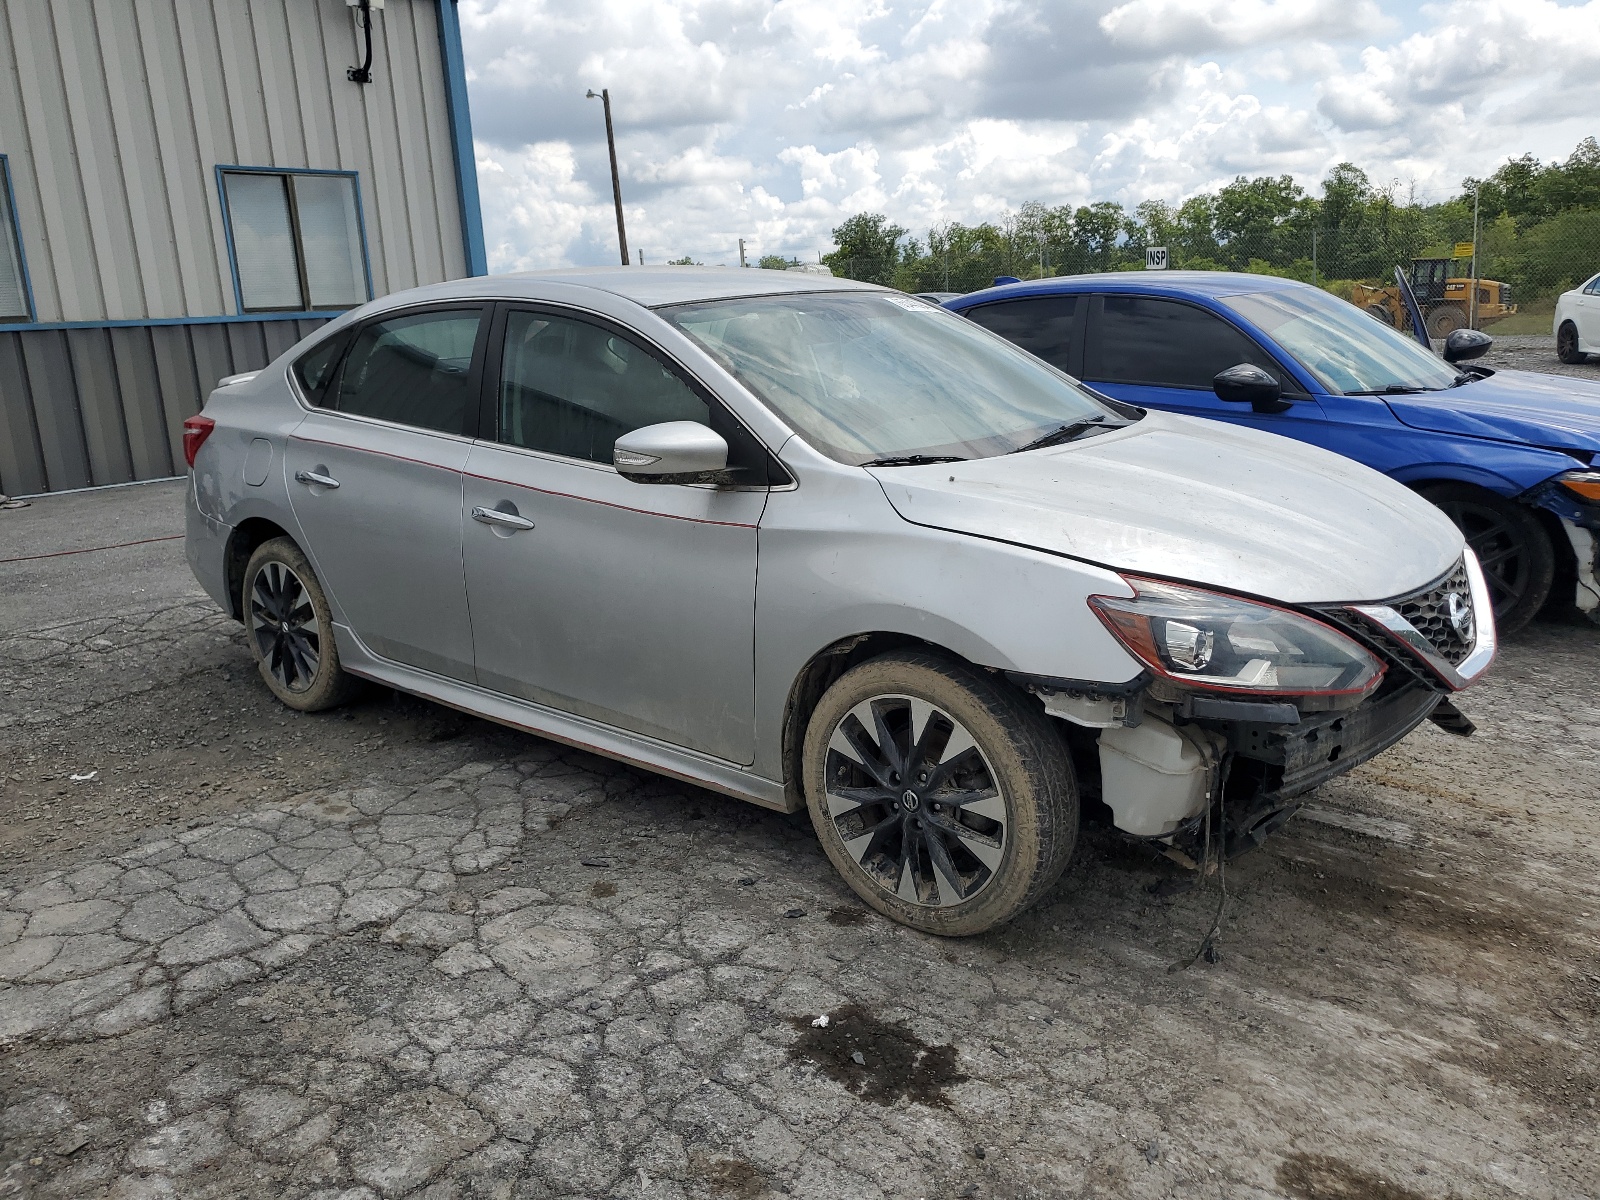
(1064, 433)
(1394, 389)
(912, 460)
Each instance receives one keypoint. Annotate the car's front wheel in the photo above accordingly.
(290, 629)
(1513, 549)
(1567, 344)
(944, 797)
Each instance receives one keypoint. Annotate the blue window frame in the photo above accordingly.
(16, 297)
(297, 239)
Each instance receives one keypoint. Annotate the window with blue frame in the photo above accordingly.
(15, 302)
(295, 238)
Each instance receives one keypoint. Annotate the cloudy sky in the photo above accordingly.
(772, 120)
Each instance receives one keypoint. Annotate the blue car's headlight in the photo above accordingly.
(1222, 643)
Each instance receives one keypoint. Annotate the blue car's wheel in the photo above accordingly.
(1512, 547)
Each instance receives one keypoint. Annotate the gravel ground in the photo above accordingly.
(397, 951)
(1534, 352)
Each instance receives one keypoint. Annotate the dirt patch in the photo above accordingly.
(877, 1060)
(731, 1177)
(846, 917)
(602, 889)
(1319, 1177)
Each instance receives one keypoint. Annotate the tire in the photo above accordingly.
(1445, 320)
(289, 628)
(1019, 820)
(1567, 344)
(1380, 313)
(1512, 547)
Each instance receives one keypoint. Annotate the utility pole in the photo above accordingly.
(604, 97)
(641, 258)
(1472, 323)
(742, 263)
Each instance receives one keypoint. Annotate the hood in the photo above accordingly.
(1195, 500)
(1557, 412)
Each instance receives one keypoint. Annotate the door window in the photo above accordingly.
(572, 388)
(414, 370)
(1043, 326)
(1164, 343)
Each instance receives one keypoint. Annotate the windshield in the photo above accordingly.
(1344, 347)
(868, 376)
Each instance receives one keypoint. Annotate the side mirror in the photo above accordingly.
(1249, 384)
(1464, 344)
(672, 452)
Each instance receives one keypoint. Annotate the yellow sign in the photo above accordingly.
(1463, 249)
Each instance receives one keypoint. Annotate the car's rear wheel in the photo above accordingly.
(1567, 344)
(290, 629)
(1512, 547)
(944, 797)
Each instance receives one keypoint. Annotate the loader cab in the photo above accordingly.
(1428, 278)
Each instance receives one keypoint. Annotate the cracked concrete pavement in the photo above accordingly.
(395, 951)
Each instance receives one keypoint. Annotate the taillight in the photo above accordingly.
(195, 432)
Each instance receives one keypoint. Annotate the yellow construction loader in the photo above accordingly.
(1445, 298)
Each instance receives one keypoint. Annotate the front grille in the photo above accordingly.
(1429, 614)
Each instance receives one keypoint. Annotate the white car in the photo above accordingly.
(1577, 323)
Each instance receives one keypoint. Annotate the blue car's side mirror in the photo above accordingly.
(1249, 384)
(1464, 344)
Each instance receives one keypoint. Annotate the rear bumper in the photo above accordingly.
(205, 545)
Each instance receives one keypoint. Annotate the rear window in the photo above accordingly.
(1043, 325)
(314, 369)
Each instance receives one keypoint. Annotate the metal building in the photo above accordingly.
(187, 187)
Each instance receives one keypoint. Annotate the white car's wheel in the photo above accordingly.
(945, 798)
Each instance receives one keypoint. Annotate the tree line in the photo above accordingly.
(1539, 230)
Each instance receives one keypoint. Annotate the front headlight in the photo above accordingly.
(1221, 643)
(1584, 484)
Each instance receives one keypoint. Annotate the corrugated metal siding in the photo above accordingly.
(116, 112)
(83, 407)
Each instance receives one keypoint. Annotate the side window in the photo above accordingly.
(1163, 343)
(571, 388)
(1043, 326)
(413, 370)
(314, 369)
(1594, 286)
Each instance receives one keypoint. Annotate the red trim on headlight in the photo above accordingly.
(1133, 629)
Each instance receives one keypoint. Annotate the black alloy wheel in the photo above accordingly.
(283, 623)
(1567, 344)
(1511, 546)
(914, 801)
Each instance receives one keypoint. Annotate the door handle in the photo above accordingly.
(506, 520)
(316, 479)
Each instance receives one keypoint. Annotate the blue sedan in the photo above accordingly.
(1509, 455)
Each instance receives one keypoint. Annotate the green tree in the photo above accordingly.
(777, 262)
(685, 261)
(869, 248)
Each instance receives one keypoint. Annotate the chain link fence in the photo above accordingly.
(1520, 270)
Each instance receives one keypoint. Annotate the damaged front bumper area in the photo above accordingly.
(1566, 497)
(1195, 771)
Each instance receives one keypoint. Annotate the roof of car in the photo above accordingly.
(1207, 283)
(655, 286)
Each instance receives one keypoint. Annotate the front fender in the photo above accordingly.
(830, 572)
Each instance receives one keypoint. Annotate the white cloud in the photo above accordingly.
(1197, 26)
(773, 120)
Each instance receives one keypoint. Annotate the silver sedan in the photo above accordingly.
(818, 544)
